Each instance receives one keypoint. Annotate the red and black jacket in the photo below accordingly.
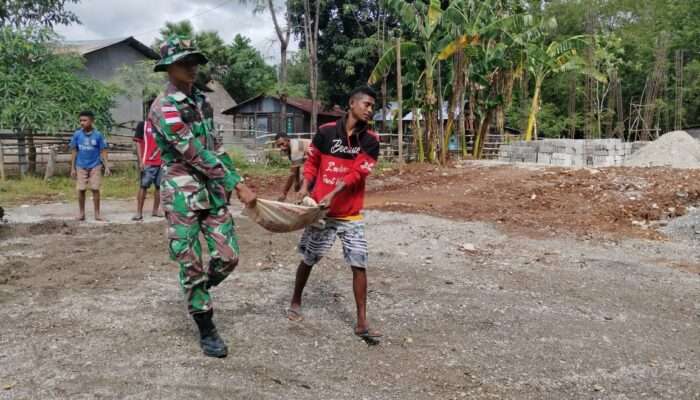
(334, 156)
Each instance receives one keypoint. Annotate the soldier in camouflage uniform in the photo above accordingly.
(198, 180)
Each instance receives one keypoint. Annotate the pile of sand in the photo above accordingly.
(675, 149)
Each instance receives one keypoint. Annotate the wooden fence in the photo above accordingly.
(52, 154)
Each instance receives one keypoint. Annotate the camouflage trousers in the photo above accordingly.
(218, 229)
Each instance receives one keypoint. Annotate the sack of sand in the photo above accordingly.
(279, 217)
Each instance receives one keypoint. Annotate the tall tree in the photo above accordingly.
(310, 22)
(45, 91)
(283, 29)
(36, 13)
(247, 74)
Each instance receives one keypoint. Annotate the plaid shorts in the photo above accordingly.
(316, 242)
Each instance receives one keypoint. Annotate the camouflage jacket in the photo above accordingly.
(195, 162)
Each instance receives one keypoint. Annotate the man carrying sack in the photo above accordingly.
(198, 179)
(340, 158)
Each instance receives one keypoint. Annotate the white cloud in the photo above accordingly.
(102, 19)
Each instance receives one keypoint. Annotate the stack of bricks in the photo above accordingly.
(570, 152)
(518, 152)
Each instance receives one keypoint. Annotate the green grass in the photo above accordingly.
(122, 184)
(14, 191)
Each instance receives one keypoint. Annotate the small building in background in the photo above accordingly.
(260, 116)
(220, 101)
(103, 61)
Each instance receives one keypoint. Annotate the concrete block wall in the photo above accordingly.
(570, 152)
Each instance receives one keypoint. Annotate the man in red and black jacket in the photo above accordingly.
(341, 156)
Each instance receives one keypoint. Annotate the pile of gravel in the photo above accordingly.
(675, 149)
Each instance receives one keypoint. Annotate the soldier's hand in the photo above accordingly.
(73, 173)
(108, 172)
(245, 195)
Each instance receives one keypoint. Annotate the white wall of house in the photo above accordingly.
(104, 64)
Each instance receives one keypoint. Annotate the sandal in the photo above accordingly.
(294, 315)
(369, 337)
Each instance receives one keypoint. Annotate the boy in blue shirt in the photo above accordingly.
(88, 155)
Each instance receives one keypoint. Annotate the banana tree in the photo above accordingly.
(422, 18)
(469, 23)
(545, 59)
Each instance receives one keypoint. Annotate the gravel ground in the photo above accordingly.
(93, 311)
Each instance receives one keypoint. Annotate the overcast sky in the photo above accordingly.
(104, 19)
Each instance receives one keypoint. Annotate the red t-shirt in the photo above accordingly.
(334, 156)
(146, 141)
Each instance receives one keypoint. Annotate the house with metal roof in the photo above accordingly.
(103, 61)
(260, 115)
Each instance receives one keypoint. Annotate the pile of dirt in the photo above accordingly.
(675, 149)
(616, 202)
(600, 203)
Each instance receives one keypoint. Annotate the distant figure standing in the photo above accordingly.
(297, 151)
(88, 155)
(150, 168)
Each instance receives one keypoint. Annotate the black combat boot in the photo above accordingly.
(210, 341)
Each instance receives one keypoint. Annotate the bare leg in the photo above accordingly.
(140, 199)
(303, 272)
(96, 203)
(156, 203)
(359, 287)
(81, 205)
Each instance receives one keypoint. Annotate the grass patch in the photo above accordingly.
(275, 165)
(120, 185)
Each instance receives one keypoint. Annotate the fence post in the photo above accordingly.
(51, 163)
(2, 162)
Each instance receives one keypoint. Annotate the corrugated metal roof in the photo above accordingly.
(85, 47)
(297, 102)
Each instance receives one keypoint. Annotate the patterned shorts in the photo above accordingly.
(316, 242)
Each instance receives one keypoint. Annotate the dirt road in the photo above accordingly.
(470, 310)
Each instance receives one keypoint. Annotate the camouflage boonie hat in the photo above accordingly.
(176, 48)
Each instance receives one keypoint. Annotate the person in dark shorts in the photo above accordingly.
(150, 167)
(341, 156)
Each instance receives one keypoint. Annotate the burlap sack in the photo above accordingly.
(281, 217)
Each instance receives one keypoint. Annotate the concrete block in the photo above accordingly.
(544, 158)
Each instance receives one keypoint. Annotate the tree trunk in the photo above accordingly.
(22, 152)
(456, 103)
(283, 37)
(384, 90)
(32, 152)
(440, 117)
(399, 92)
(480, 137)
(311, 34)
(283, 87)
(572, 106)
(534, 110)
(418, 136)
(462, 130)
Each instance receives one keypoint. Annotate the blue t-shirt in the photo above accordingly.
(89, 146)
